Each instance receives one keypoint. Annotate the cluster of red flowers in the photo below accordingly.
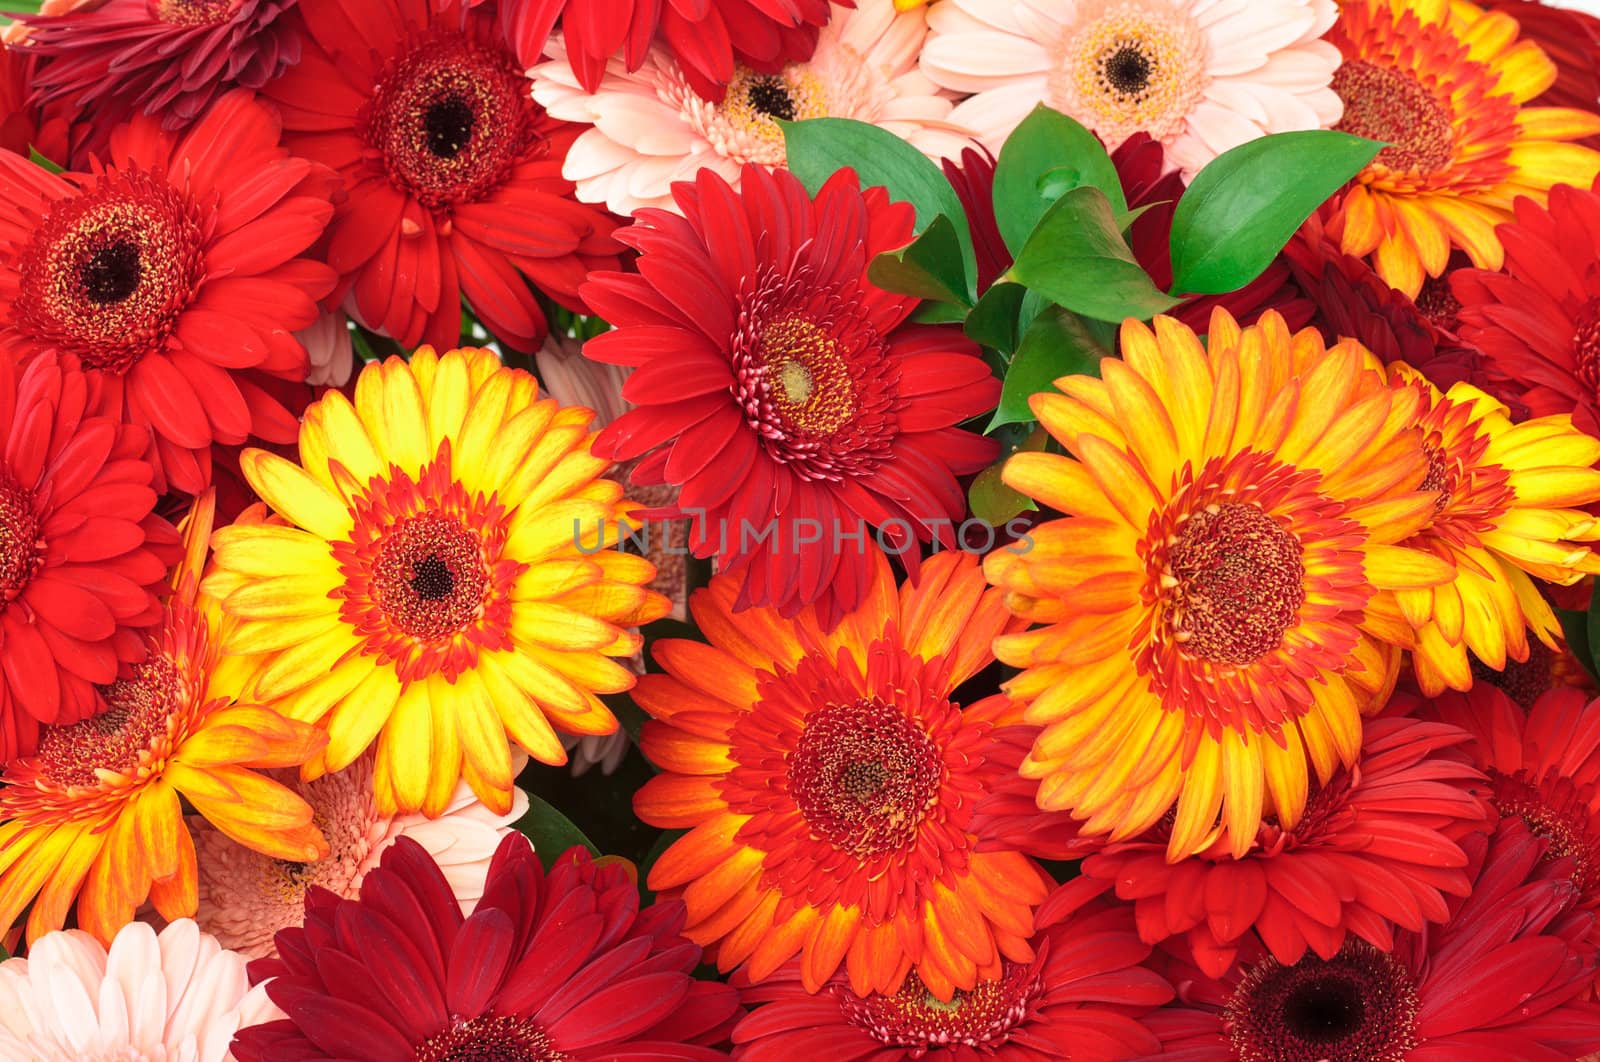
(326, 366)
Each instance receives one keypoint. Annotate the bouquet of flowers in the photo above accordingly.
(639, 531)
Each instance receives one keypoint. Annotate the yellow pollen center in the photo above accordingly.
(1385, 104)
(811, 384)
(796, 382)
(1135, 67)
(745, 124)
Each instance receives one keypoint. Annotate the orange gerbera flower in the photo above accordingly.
(827, 782)
(96, 813)
(1443, 84)
(1231, 513)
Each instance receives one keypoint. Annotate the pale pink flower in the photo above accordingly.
(246, 897)
(176, 996)
(1200, 76)
(651, 129)
(327, 342)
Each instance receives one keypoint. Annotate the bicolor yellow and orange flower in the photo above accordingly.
(1230, 513)
(96, 814)
(1446, 86)
(827, 782)
(1510, 507)
(435, 582)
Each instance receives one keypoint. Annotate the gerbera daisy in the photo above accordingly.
(709, 40)
(1538, 321)
(1375, 849)
(246, 896)
(786, 395)
(1230, 514)
(94, 815)
(25, 126)
(1444, 84)
(827, 782)
(1525, 681)
(1571, 39)
(173, 995)
(1500, 980)
(563, 965)
(1508, 509)
(1079, 998)
(440, 586)
(170, 271)
(649, 128)
(1543, 766)
(83, 552)
(1198, 77)
(169, 59)
(452, 174)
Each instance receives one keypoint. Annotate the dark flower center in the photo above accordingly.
(451, 120)
(430, 576)
(864, 776)
(490, 1038)
(768, 96)
(915, 1018)
(1586, 345)
(1438, 477)
(1361, 1004)
(137, 715)
(1523, 681)
(21, 549)
(1127, 70)
(1384, 104)
(1437, 303)
(1554, 808)
(108, 272)
(1239, 583)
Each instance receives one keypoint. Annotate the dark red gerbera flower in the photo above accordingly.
(166, 58)
(1080, 999)
(1546, 669)
(81, 553)
(787, 396)
(453, 173)
(549, 967)
(1538, 322)
(170, 271)
(1571, 39)
(24, 125)
(1500, 980)
(707, 37)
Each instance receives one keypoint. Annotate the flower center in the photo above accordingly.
(1236, 583)
(1361, 1004)
(915, 1018)
(451, 119)
(1438, 477)
(1138, 66)
(430, 576)
(21, 548)
(107, 273)
(490, 1038)
(1381, 103)
(744, 126)
(1437, 303)
(193, 12)
(135, 722)
(864, 776)
(1524, 681)
(769, 96)
(1586, 345)
(1555, 809)
(807, 377)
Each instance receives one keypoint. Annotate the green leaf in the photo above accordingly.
(993, 322)
(939, 313)
(42, 162)
(1057, 344)
(928, 267)
(1078, 258)
(994, 502)
(550, 831)
(1045, 157)
(19, 7)
(819, 147)
(1242, 208)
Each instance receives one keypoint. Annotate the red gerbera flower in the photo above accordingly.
(166, 58)
(1543, 767)
(1375, 848)
(168, 272)
(1571, 39)
(559, 965)
(453, 173)
(25, 126)
(1546, 669)
(1080, 999)
(774, 381)
(1538, 322)
(1500, 980)
(707, 37)
(81, 555)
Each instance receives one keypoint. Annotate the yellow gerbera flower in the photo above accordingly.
(1229, 516)
(1509, 507)
(95, 813)
(1443, 84)
(439, 586)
